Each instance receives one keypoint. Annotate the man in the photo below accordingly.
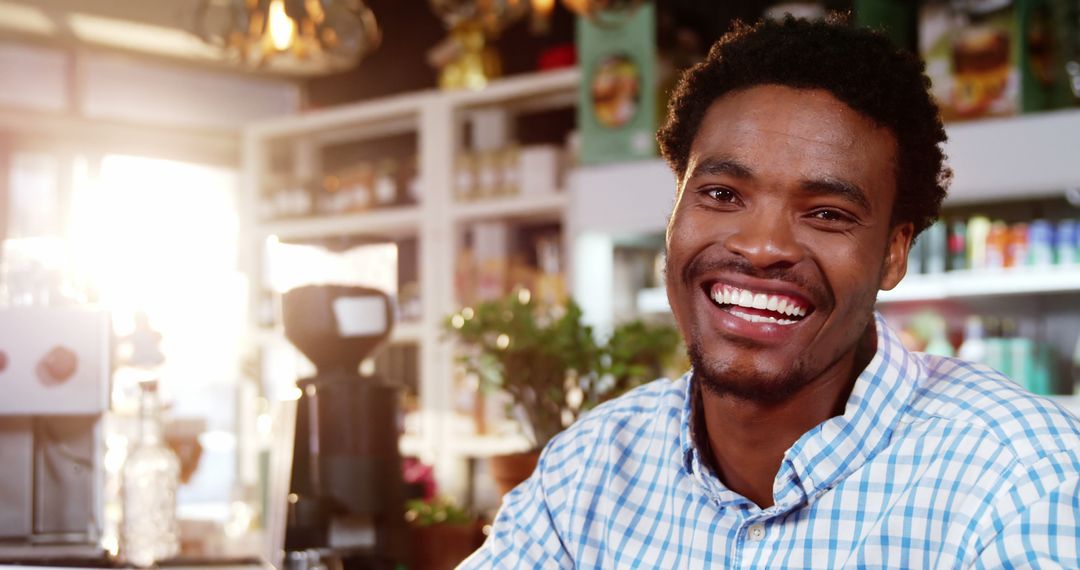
(808, 158)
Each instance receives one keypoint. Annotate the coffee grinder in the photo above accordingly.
(345, 502)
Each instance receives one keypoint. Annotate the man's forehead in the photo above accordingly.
(804, 115)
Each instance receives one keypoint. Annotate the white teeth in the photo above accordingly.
(727, 295)
(762, 319)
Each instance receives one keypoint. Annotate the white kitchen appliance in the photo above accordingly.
(54, 392)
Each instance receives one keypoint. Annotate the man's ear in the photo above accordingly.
(896, 255)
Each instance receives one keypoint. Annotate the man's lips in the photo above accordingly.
(760, 306)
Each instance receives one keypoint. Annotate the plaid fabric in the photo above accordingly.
(936, 463)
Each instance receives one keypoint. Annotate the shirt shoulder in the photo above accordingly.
(652, 410)
(1029, 427)
(635, 433)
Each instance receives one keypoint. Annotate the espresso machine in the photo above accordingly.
(344, 508)
(54, 377)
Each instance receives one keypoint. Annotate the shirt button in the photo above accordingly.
(757, 532)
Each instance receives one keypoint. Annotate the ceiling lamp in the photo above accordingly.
(465, 59)
(290, 36)
(591, 9)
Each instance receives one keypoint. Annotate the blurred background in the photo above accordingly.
(461, 189)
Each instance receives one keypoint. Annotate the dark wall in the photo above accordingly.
(410, 29)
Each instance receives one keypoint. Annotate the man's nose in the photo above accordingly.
(765, 240)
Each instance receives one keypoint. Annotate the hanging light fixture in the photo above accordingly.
(591, 9)
(465, 59)
(290, 36)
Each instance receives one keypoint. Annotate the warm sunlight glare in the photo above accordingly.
(161, 237)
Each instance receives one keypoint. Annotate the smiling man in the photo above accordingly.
(808, 159)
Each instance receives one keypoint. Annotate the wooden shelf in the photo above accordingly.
(390, 222)
(522, 206)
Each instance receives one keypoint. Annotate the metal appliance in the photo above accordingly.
(345, 501)
(54, 392)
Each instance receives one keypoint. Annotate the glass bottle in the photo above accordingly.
(151, 475)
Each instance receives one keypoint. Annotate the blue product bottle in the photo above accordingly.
(936, 248)
(1040, 244)
(1065, 247)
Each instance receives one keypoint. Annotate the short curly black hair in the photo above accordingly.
(858, 66)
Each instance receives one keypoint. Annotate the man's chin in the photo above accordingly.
(761, 393)
(747, 383)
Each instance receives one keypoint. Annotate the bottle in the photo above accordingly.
(973, 349)
(939, 341)
(1040, 244)
(978, 227)
(936, 249)
(958, 246)
(1065, 252)
(1017, 246)
(150, 477)
(997, 241)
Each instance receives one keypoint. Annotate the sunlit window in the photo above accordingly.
(159, 238)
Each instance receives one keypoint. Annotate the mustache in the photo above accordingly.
(701, 266)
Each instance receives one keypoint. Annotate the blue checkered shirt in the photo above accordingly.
(936, 463)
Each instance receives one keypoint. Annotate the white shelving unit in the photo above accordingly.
(943, 286)
(391, 222)
(437, 119)
(964, 284)
(518, 207)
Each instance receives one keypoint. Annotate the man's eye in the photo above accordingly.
(722, 194)
(831, 216)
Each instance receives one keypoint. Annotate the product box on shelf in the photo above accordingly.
(509, 171)
(994, 57)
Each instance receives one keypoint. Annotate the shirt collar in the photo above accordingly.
(838, 446)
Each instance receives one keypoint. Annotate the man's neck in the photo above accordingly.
(745, 441)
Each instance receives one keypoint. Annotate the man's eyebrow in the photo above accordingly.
(840, 188)
(721, 166)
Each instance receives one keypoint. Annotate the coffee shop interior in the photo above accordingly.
(308, 283)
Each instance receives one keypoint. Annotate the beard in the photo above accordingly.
(747, 385)
(750, 384)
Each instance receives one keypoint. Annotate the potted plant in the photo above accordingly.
(442, 534)
(551, 365)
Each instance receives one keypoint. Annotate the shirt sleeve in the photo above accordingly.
(523, 534)
(1045, 534)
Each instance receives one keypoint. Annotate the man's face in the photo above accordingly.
(780, 239)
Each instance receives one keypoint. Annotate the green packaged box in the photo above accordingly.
(993, 57)
(617, 96)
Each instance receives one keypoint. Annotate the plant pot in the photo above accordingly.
(510, 470)
(444, 546)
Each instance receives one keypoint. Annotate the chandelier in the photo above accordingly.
(590, 9)
(290, 36)
(466, 59)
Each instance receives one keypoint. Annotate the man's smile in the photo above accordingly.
(759, 306)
